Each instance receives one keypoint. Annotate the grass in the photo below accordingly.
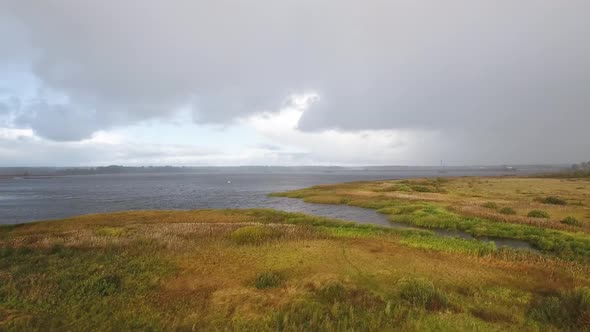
(505, 207)
(567, 310)
(538, 214)
(490, 205)
(267, 270)
(571, 221)
(111, 231)
(553, 200)
(421, 293)
(267, 279)
(507, 211)
(254, 235)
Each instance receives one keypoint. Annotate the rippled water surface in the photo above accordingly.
(29, 199)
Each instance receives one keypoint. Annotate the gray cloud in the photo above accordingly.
(498, 79)
(269, 147)
(27, 151)
(4, 108)
(8, 107)
(59, 122)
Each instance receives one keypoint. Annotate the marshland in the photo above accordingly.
(262, 269)
(331, 165)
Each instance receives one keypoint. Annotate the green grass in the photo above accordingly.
(254, 235)
(556, 242)
(267, 279)
(422, 294)
(264, 270)
(494, 314)
(62, 287)
(567, 310)
(552, 200)
(446, 212)
(571, 221)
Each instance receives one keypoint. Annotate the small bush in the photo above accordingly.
(424, 189)
(422, 293)
(490, 205)
(567, 310)
(396, 187)
(492, 315)
(538, 214)
(554, 200)
(507, 210)
(267, 280)
(571, 221)
(254, 235)
(332, 292)
(108, 285)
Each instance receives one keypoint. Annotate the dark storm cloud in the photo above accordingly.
(495, 78)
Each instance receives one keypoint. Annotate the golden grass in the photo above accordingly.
(167, 270)
(467, 195)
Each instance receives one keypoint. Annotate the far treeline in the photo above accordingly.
(583, 166)
(581, 170)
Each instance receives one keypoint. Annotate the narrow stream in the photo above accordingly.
(370, 216)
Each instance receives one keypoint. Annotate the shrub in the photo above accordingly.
(332, 292)
(567, 310)
(267, 280)
(538, 214)
(107, 285)
(424, 189)
(490, 205)
(491, 314)
(507, 210)
(254, 235)
(571, 221)
(422, 293)
(554, 200)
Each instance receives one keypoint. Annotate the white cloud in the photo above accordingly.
(15, 133)
(280, 142)
(362, 147)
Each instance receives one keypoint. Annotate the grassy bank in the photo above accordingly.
(553, 215)
(268, 270)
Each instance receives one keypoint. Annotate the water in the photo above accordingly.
(30, 199)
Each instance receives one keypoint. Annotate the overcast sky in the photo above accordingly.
(294, 82)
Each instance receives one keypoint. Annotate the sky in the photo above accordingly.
(294, 82)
